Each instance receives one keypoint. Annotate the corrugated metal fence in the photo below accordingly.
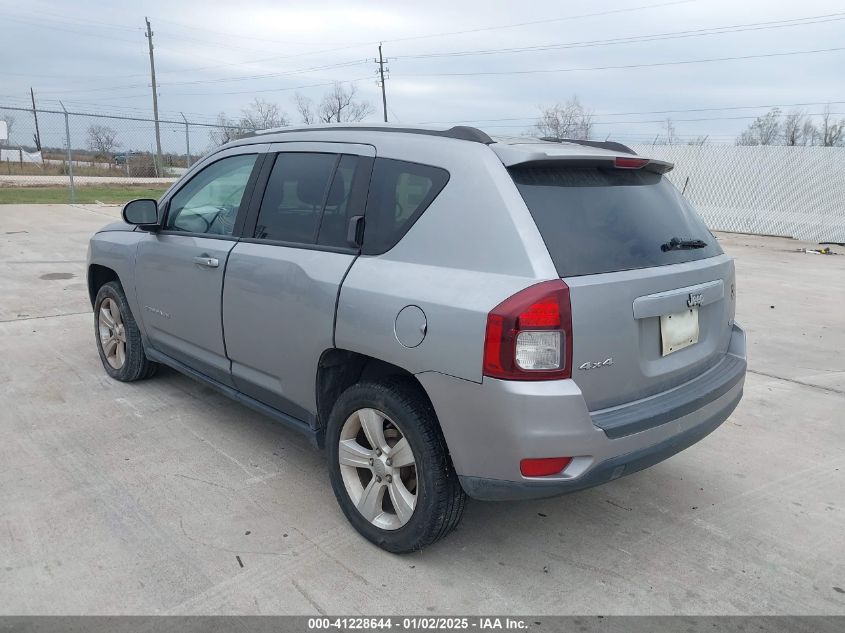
(772, 190)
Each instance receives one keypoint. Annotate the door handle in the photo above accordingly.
(205, 260)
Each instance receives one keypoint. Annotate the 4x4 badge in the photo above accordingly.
(596, 364)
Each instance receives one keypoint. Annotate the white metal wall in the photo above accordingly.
(774, 190)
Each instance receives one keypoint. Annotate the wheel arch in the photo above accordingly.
(99, 276)
(339, 369)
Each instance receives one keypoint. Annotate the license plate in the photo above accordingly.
(679, 330)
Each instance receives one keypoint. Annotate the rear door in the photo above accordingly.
(283, 277)
(648, 313)
(179, 270)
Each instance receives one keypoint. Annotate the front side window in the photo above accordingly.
(210, 201)
(399, 193)
(294, 198)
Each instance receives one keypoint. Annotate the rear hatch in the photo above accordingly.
(651, 291)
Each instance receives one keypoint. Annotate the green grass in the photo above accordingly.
(111, 194)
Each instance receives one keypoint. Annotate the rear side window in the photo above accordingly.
(596, 220)
(294, 198)
(399, 193)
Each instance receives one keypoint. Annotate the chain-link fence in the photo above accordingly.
(766, 190)
(54, 148)
(792, 191)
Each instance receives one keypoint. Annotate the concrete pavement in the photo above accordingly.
(141, 498)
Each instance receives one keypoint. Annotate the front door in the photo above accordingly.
(179, 270)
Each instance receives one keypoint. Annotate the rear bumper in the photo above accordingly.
(491, 426)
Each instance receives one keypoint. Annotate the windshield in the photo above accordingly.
(596, 220)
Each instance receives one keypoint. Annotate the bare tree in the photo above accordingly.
(797, 128)
(102, 140)
(262, 115)
(671, 137)
(699, 140)
(831, 132)
(338, 105)
(225, 130)
(565, 120)
(305, 108)
(809, 132)
(766, 130)
(258, 115)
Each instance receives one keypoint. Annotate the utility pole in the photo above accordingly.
(69, 154)
(149, 36)
(187, 141)
(35, 114)
(381, 61)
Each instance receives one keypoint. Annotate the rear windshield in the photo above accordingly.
(597, 220)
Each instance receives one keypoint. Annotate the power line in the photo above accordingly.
(240, 36)
(546, 21)
(624, 66)
(69, 30)
(64, 19)
(637, 39)
(299, 71)
(212, 43)
(466, 74)
(699, 119)
(347, 64)
(286, 89)
(750, 107)
(423, 36)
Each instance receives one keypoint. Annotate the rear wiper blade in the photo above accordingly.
(677, 244)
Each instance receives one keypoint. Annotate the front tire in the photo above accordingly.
(390, 468)
(118, 337)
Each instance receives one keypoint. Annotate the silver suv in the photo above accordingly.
(447, 313)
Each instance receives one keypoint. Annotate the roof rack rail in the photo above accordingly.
(461, 132)
(611, 145)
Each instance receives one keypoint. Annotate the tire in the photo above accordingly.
(118, 337)
(431, 480)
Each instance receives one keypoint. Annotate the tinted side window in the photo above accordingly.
(210, 201)
(338, 209)
(294, 197)
(399, 193)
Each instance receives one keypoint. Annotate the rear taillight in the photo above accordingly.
(529, 335)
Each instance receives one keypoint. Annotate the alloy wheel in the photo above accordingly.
(378, 468)
(112, 333)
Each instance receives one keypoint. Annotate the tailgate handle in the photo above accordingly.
(677, 300)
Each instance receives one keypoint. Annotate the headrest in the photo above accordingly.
(311, 187)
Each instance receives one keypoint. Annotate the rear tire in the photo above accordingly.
(416, 501)
(118, 337)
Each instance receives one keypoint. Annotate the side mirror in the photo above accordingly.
(142, 212)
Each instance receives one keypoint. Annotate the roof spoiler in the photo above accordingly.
(627, 163)
(611, 145)
(612, 156)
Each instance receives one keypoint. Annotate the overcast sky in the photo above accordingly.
(210, 57)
